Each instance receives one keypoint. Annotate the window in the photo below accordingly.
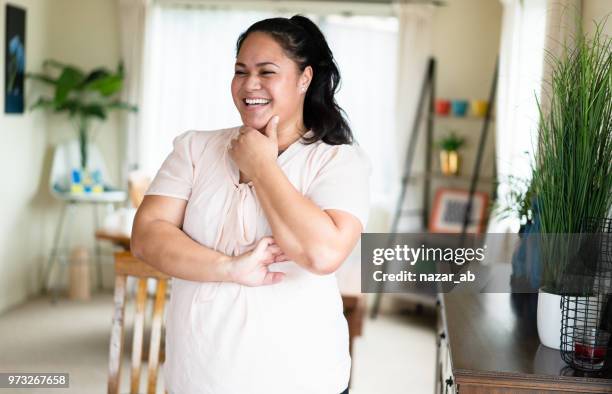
(189, 63)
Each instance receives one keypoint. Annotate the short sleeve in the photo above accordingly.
(343, 182)
(175, 177)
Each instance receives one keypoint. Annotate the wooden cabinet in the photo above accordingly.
(488, 343)
(445, 382)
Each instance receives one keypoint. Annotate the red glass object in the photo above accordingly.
(443, 106)
(589, 353)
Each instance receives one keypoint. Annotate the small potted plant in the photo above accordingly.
(449, 153)
(83, 96)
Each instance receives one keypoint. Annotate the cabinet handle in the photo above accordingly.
(449, 382)
(442, 335)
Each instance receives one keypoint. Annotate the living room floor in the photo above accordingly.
(395, 355)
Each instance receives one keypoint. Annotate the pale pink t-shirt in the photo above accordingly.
(225, 338)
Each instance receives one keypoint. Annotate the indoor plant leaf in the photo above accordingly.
(94, 110)
(69, 79)
(72, 106)
(122, 105)
(451, 142)
(42, 78)
(95, 75)
(42, 102)
(107, 86)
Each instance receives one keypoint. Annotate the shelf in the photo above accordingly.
(467, 117)
(461, 178)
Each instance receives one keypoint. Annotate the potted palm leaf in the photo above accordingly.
(573, 177)
(82, 96)
(449, 153)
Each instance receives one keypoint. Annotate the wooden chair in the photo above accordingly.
(137, 186)
(127, 265)
(354, 310)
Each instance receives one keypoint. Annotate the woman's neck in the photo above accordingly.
(289, 133)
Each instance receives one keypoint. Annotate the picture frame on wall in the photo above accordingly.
(15, 61)
(449, 211)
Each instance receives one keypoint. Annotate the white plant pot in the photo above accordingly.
(549, 319)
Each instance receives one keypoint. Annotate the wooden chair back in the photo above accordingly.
(138, 183)
(127, 265)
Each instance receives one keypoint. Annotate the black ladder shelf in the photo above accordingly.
(428, 89)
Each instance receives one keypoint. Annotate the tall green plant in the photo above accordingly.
(82, 96)
(573, 181)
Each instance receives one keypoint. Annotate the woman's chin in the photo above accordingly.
(258, 122)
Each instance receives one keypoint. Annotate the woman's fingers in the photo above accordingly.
(262, 245)
(280, 257)
(274, 249)
(273, 278)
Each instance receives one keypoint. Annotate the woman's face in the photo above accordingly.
(266, 83)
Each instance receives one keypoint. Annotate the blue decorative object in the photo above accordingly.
(76, 175)
(526, 259)
(459, 107)
(86, 181)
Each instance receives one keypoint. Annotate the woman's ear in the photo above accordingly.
(305, 79)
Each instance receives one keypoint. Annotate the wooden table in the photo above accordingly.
(489, 344)
(118, 239)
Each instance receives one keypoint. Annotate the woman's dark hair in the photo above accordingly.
(303, 42)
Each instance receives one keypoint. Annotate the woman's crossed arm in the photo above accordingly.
(157, 239)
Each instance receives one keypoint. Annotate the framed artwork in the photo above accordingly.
(14, 55)
(449, 211)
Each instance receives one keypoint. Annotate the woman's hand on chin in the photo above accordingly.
(253, 150)
(251, 268)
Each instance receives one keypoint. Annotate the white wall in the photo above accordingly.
(24, 139)
(86, 33)
(82, 32)
(465, 45)
(596, 10)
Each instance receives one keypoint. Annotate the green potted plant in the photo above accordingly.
(449, 153)
(518, 201)
(573, 177)
(83, 96)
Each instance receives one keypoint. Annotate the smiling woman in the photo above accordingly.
(292, 58)
(267, 83)
(252, 237)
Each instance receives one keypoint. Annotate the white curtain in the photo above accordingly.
(133, 16)
(189, 67)
(519, 83)
(530, 30)
(414, 48)
(368, 88)
(415, 34)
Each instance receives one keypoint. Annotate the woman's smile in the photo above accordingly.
(256, 104)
